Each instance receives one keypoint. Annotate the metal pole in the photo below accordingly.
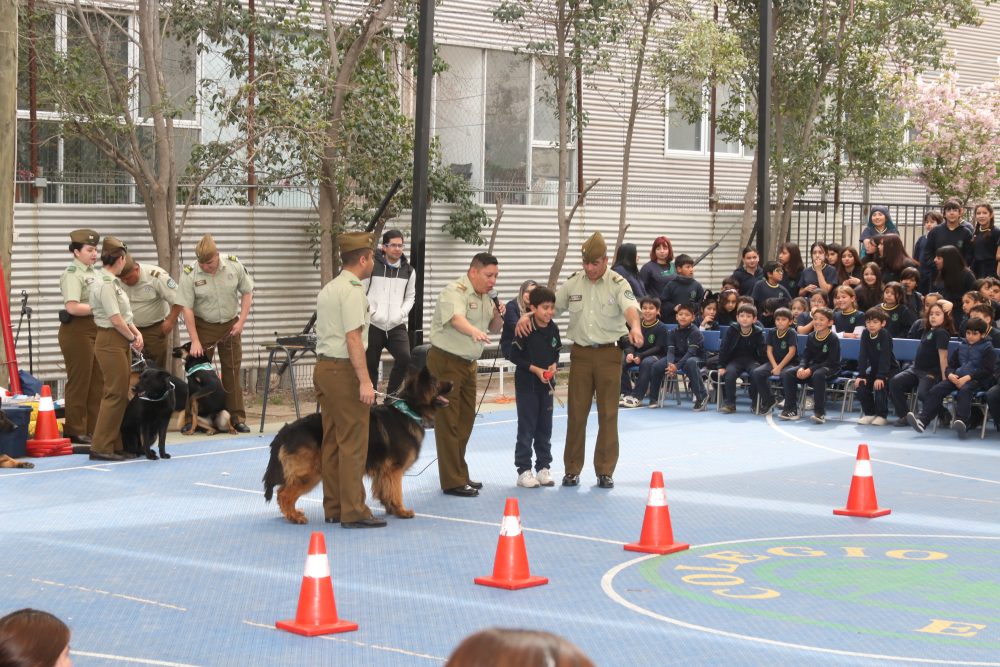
(763, 226)
(421, 150)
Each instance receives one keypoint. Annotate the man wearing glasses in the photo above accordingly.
(390, 290)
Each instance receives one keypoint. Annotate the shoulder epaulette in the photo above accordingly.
(461, 286)
(233, 258)
(574, 274)
(70, 269)
(154, 274)
(357, 283)
(188, 269)
(616, 279)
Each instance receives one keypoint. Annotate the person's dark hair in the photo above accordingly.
(724, 298)
(745, 299)
(933, 215)
(991, 281)
(481, 259)
(626, 256)
(31, 638)
(649, 298)
(976, 296)
(835, 247)
(898, 291)
(988, 207)
(783, 312)
(499, 647)
(948, 323)
(825, 312)
(876, 313)
(893, 254)
(390, 235)
(769, 267)
(775, 303)
(952, 204)
(982, 309)
(112, 257)
(909, 273)
(685, 306)
(952, 267)
(730, 283)
(541, 294)
(747, 308)
(665, 242)
(684, 260)
(818, 244)
(75, 246)
(794, 266)
(748, 250)
(976, 324)
(842, 272)
(352, 257)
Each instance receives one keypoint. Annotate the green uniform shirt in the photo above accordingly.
(215, 297)
(107, 298)
(596, 309)
(341, 306)
(459, 298)
(76, 282)
(152, 296)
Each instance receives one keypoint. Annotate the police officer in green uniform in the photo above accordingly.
(77, 336)
(153, 295)
(463, 319)
(115, 335)
(343, 388)
(216, 294)
(600, 303)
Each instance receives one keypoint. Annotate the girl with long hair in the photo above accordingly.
(894, 304)
(820, 276)
(32, 638)
(985, 243)
(953, 278)
(790, 258)
(729, 301)
(894, 257)
(869, 292)
(626, 265)
(849, 268)
(659, 270)
(929, 363)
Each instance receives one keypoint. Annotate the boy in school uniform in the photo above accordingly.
(970, 369)
(682, 289)
(686, 354)
(742, 352)
(780, 349)
(819, 360)
(876, 366)
(985, 313)
(644, 357)
(535, 357)
(770, 287)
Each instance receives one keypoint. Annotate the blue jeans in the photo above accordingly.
(534, 424)
(643, 381)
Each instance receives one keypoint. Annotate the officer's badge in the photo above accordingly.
(171, 284)
(629, 295)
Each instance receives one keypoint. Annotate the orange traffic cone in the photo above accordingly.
(317, 612)
(657, 536)
(510, 569)
(47, 441)
(861, 499)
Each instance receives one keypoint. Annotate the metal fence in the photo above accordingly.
(843, 223)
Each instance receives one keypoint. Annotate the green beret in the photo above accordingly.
(355, 241)
(111, 244)
(84, 236)
(594, 248)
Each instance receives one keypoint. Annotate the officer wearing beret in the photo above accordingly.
(464, 317)
(77, 335)
(600, 303)
(343, 388)
(153, 295)
(215, 294)
(116, 333)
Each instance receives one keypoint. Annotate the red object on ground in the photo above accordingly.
(861, 500)
(317, 612)
(10, 353)
(657, 535)
(47, 441)
(510, 569)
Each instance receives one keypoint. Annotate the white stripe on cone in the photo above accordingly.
(863, 468)
(317, 566)
(510, 526)
(45, 404)
(657, 497)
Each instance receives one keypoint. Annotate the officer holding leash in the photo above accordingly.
(153, 295)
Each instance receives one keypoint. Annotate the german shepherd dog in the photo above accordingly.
(206, 405)
(6, 426)
(395, 435)
(157, 395)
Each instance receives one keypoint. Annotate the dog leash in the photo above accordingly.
(168, 392)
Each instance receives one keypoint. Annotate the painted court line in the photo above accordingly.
(122, 658)
(377, 647)
(770, 422)
(103, 467)
(433, 516)
(98, 591)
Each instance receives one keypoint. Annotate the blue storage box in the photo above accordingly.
(14, 444)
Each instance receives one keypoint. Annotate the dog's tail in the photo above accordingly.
(275, 473)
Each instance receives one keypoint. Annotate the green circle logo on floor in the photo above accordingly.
(919, 598)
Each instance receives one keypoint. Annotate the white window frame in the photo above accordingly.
(705, 137)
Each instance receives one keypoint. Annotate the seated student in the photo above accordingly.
(803, 325)
(745, 301)
(985, 313)
(742, 351)
(869, 292)
(686, 354)
(894, 304)
(780, 349)
(766, 317)
(682, 289)
(729, 282)
(729, 301)
(749, 273)
(818, 361)
(833, 251)
(846, 318)
(653, 348)
(876, 366)
(917, 328)
(990, 288)
(770, 287)
(929, 363)
(709, 314)
(970, 369)
(910, 278)
(798, 306)
(970, 299)
(819, 276)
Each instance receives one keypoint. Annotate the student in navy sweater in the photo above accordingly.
(929, 363)
(970, 369)
(770, 287)
(780, 349)
(682, 289)
(742, 351)
(900, 317)
(876, 366)
(749, 273)
(954, 232)
(685, 354)
(644, 357)
(985, 313)
(818, 361)
(846, 318)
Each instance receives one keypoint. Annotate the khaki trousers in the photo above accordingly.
(593, 370)
(345, 440)
(154, 344)
(453, 424)
(84, 381)
(230, 349)
(112, 351)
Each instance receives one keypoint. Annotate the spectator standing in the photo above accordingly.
(390, 290)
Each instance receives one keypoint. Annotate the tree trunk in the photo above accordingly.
(562, 83)
(749, 218)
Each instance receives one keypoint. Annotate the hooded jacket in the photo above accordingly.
(869, 230)
(391, 292)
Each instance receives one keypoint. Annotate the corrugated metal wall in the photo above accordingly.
(274, 245)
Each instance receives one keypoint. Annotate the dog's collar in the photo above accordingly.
(200, 367)
(165, 394)
(403, 407)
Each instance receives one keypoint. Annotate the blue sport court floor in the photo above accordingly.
(181, 562)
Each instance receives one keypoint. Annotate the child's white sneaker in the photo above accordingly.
(544, 477)
(527, 480)
(866, 419)
(880, 421)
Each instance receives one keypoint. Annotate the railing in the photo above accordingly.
(822, 221)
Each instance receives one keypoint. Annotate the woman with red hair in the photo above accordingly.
(659, 270)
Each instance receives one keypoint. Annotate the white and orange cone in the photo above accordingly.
(657, 535)
(510, 568)
(47, 441)
(861, 500)
(317, 612)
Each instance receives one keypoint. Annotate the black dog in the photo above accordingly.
(148, 415)
(395, 434)
(206, 404)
